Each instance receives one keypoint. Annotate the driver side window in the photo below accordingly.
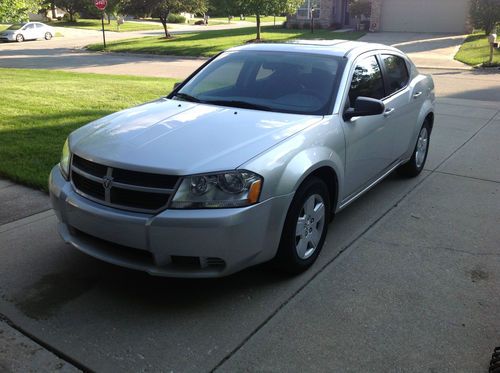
(367, 80)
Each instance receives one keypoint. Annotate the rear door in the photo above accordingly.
(39, 31)
(401, 102)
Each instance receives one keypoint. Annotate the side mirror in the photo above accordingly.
(363, 107)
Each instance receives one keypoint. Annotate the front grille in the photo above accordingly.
(120, 188)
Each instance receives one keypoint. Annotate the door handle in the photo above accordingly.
(417, 95)
(389, 112)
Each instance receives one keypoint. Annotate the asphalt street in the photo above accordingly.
(408, 279)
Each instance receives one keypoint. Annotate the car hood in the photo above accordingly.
(181, 138)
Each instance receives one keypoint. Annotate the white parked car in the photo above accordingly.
(27, 31)
(245, 161)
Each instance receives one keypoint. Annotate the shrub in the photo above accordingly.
(176, 18)
(67, 17)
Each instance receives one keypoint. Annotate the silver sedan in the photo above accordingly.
(246, 161)
(27, 31)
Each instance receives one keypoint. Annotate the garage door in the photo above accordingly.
(446, 16)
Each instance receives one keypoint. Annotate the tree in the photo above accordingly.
(485, 14)
(358, 8)
(266, 7)
(18, 10)
(165, 7)
(72, 7)
(279, 7)
(114, 8)
(226, 8)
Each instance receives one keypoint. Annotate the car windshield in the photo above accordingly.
(289, 82)
(17, 26)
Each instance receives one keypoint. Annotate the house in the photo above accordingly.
(430, 16)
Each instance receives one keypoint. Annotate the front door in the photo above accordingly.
(368, 145)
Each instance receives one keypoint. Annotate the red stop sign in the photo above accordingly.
(100, 4)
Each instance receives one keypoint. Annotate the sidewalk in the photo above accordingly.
(407, 281)
(429, 51)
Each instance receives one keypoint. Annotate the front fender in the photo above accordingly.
(287, 165)
(305, 163)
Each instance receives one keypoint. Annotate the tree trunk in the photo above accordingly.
(109, 18)
(53, 8)
(257, 17)
(164, 23)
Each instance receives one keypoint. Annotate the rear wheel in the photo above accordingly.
(305, 227)
(48, 36)
(417, 162)
(19, 38)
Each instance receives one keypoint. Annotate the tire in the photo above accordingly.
(19, 38)
(495, 361)
(48, 36)
(309, 215)
(416, 164)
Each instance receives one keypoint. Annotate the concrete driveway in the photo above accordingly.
(426, 50)
(408, 281)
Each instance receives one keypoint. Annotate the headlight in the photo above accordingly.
(65, 160)
(224, 190)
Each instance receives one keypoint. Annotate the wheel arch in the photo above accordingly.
(430, 119)
(329, 177)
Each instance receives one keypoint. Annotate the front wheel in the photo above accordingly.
(19, 38)
(417, 162)
(305, 227)
(48, 36)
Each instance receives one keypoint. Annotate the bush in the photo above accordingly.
(176, 18)
(67, 17)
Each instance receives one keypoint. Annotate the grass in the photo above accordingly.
(209, 43)
(38, 110)
(95, 24)
(476, 50)
(3, 26)
(224, 20)
(266, 19)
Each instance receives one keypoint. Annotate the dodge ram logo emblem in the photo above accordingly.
(107, 182)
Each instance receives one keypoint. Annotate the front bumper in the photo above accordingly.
(8, 37)
(176, 243)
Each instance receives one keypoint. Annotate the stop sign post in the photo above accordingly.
(101, 5)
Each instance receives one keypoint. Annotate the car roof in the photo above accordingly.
(340, 48)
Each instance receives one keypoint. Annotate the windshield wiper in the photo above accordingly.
(239, 104)
(186, 97)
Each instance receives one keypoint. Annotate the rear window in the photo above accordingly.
(396, 72)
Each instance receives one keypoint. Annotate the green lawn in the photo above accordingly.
(3, 26)
(40, 108)
(223, 20)
(476, 50)
(266, 19)
(209, 43)
(95, 24)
